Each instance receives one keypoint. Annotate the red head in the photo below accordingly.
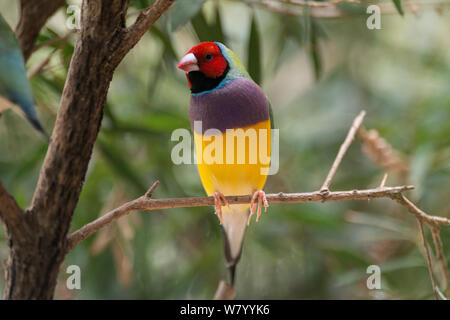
(205, 57)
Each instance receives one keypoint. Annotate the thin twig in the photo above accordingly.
(342, 150)
(318, 4)
(383, 181)
(149, 193)
(224, 291)
(53, 41)
(42, 65)
(430, 220)
(435, 232)
(428, 257)
(440, 294)
(333, 11)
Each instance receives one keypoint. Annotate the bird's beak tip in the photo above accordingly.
(188, 63)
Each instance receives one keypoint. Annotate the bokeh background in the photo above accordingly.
(319, 74)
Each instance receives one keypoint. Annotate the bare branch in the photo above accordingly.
(149, 193)
(342, 150)
(428, 257)
(224, 291)
(144, 203)
(383, 181)
(44, 62)
(318, 4)
(148, 17)
(132, 34)
(332, 11)
(54, 41)
(33, 16)
(435, 231)
(430, 220)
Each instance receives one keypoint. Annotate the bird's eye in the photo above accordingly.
(208, 57)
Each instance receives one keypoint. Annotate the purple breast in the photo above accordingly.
(238, 104)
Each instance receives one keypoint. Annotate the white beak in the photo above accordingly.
(188, 63)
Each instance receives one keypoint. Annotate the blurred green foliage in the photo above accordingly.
(318, 74)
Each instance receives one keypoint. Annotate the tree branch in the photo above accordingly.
(319, 4)
(143, 203)
(33, 16)
(435, 231)
(54, 41)
(131, 35)
(428, 258)
(432, 221)
(224, 291)
(330, 10)
(342, 150)
(147, 18)
(10, 212)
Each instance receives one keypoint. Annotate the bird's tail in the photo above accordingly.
(26, 108)
(233, 226)
(37, 125)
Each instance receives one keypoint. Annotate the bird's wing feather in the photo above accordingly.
(14, 84)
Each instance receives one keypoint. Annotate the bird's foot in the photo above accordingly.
(219, 201)
(261, 197)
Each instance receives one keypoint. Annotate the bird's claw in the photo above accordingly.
(262, 201)
(219, 201)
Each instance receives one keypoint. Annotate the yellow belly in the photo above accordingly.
(234, 164)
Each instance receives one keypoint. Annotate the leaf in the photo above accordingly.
(218, 31)
(165, 39)
(254, 52)
(315, 53)
(183, 11)
(398, 5)
(201, 28)
(208, 32)
(139, 4)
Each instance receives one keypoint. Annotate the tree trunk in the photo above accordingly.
(37, 238)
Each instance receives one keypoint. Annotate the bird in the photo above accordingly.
(225, 101)
(15, 90)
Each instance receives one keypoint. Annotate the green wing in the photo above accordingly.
(14, 84)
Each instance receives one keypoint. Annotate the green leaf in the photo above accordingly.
(201, 28)
(218, 31)
(254, 52)
(165, 39)
(183, 11)
(139, 4)
(398, 5)
(315, 51)
(206, 31)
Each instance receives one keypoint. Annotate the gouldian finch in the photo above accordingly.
(14, 86)
(227, 106)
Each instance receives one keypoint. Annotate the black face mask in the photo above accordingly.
(200, 82)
